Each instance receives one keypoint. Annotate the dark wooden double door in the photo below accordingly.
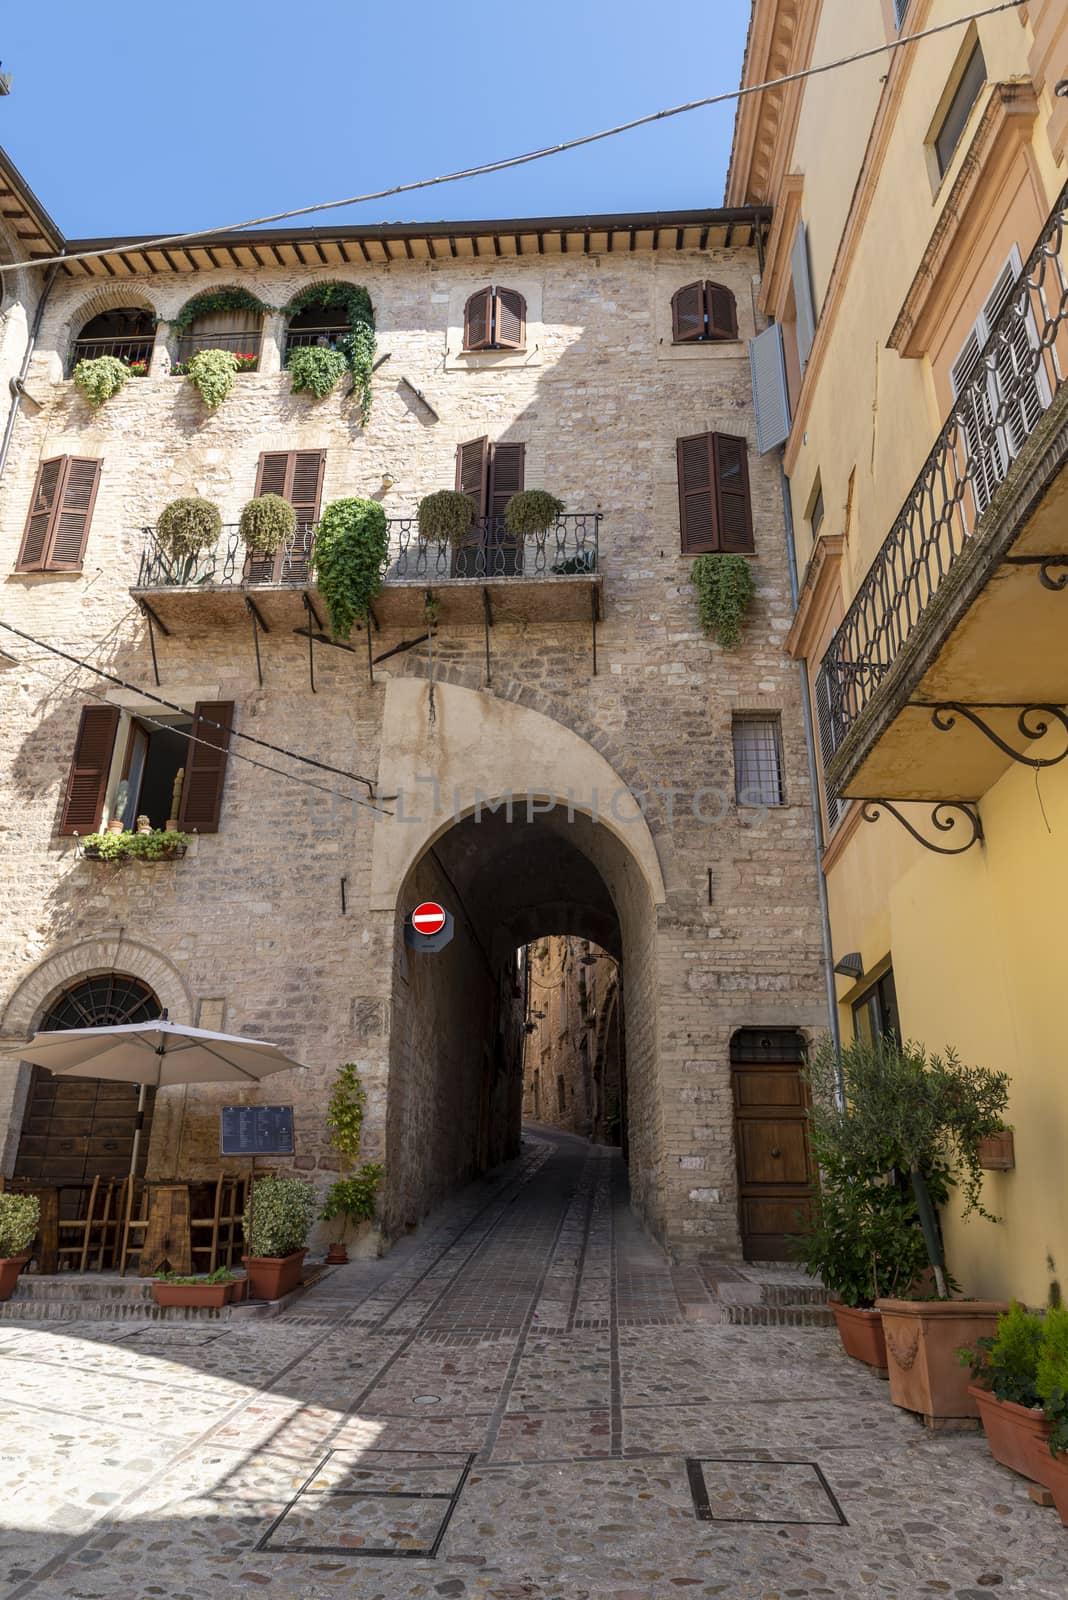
(75, 1129)
(775, 1174)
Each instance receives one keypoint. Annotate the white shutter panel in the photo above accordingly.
(803, 296)
(771, 398)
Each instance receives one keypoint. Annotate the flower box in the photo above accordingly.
(210, 1295)
(997, 1151)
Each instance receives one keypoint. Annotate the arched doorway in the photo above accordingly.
(74, 1129)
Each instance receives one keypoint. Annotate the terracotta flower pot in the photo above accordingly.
(215, 1295)
(271, 1277)
(10, 1267)
(861, 1333)
(922, 1340)
(1056, 1479)
(337, 1256)
(1017, 1436)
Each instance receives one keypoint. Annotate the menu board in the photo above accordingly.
(256, 1130)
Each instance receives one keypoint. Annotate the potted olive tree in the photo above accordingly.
(20, 1215)
(278, 1218)
(351, 1199)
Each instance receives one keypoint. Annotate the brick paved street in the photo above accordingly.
(512, 1404)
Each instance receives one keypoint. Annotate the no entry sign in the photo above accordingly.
(429, 928)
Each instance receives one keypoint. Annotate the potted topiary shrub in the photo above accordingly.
(725, 590)
(211, 1290)
(531, 513)
(20, 1216)
(186, 528)
(351, 1200)
(99, 377)
(278, 1218)
(212, 374)
(266, 523)
(351, 548)
(445, 517)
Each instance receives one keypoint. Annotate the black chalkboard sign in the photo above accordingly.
(256, 1131)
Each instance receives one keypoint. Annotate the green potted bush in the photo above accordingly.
(266, 524)
(925, 1115)
(445, 517)
(157, 844)
(185, 529)
(20, 1216)
(211, 1290)
(351, 1199)
(278, 1218)
(212, 374)
(531, 513)
(315, 369)
(1021, 1389)
(99, 377)
(351, 549)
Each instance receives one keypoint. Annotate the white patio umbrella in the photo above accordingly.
(157, 1053)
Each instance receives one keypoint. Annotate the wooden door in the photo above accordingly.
(77, 1128)
(771, 1143)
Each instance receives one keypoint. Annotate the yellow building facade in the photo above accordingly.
(913, 372)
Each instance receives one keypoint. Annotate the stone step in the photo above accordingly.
(779, 1316)
(105, 1297)
(810, 1293)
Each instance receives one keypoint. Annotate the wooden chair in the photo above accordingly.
(207, 1221)
(82, 1227)
(134, 1221)
(221, 1221)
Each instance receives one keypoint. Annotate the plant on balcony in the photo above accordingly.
(158, 844)
(351, 548)
(725, 590)
(357, 346)
(99, 377)
(186, 528)
(445, 517)
(212, 374)
(352, 1197)
(138, 368)
(210, 301)
(266, 523)
(532, 512)
(315, 370)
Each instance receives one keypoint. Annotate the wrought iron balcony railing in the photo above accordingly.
(568, 549)
(1000, 401)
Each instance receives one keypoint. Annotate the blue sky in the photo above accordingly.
(137, 117)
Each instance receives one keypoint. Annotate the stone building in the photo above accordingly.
(540, 736)
(573, 1050)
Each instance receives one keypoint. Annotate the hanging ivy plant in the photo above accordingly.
(445, 517)
(532, 512)
(100, 377)
(315, 370)
(357, 346)
(211, 300)
(351, 548)
(212, 374)
(267, 522)
(725, 591)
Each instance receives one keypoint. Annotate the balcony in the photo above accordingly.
(492, 578)
(950, 663)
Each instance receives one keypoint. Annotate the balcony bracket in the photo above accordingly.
(942, 819)
(313, 615)
(1034, 722)
(154, 622)
(1044, 563)
(595, 612)
(487, 624)
(258, 627)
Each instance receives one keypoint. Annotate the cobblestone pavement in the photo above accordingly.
(510, 1405)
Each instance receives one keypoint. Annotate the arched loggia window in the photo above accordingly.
(127, 332)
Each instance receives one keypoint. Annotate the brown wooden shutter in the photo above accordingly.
(296, 475)
(273, 473)
(510, 315)
(39, 519)
(61, 508)
(505, 476)
(205, 769)
(478, 320)
(73, 514)
(697, 494)
(83, 808)
(471, 472)
(722, 311)
(305, 483)
(688, 313)
(734, 512)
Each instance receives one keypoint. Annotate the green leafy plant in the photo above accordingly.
(315, 370)
(725, 590)
(281, 1217)
(445, 517)
(185, 529)
(212, 374)
(20, 1215)
(1007, 1364)
(100, 377)
(267, 522)
(210, 301)
(1051, 1377)
(907, 1112)
(357, 346)
(159, 845)
(220, 1275)
(353, 1198)
(359, 350)
(864, 1239)
(351, 548)
(532, 512)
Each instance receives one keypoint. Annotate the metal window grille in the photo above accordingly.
(758, 761)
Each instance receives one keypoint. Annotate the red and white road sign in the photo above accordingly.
(429, 917)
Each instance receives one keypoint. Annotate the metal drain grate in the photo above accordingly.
(785, 1492)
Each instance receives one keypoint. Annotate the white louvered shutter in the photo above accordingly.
(803, 297)
(771, 397)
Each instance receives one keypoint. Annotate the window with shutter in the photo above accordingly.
(478, 320)
(688, 313)
(771, 395)
(61, 509)
(804, 298)
(703, 313)
(83, 806)
(489, 474)
(722, 311)
(495, 319)
(206, 769)
(472, 461)
(296, 475)
(714, 500)
(758, 763)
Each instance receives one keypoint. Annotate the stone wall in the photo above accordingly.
(252, 919)
(573, 986)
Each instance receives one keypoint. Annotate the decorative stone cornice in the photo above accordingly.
(817, 595)
(780, 42)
